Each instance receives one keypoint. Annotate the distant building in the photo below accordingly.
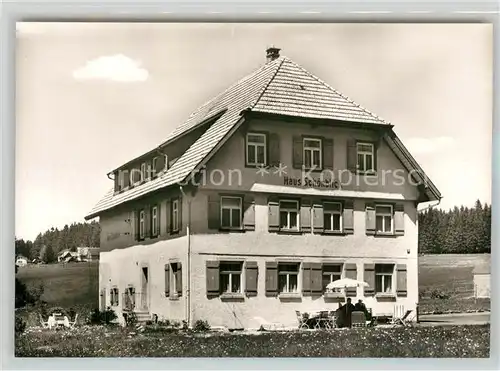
(482, 278)
(21, 261)
(82, 254)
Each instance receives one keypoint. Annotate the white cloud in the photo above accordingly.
(117, 67)
(429, 145)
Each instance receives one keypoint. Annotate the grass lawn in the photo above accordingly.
(100, 341)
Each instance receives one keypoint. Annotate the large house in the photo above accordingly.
(268, 192)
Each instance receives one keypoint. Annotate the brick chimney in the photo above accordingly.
(272, 53)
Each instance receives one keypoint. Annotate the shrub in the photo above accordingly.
(130, 319)
(20, 325)
(102, 317)
(25, 296)
(201, 326)
(438, 294)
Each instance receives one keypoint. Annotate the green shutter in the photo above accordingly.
(178, 280)
(297, 155)
(273, 215)
(271, 278)
(168, 222)
(318, 218)
(352, 156)
(370, 218)
(369, 278)
(305, 216)
(306, 279)
(212, 270)
(316, 278)
(401, 276)
(399, 219)
(251, 278)
(351, 272)
(327, 153)
(214, 212)
(167, 280)
(348, 217)
(180, 214)
(274, 149)
(248, 213)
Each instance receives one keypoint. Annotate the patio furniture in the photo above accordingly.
(323, 320)
(72, 324)
(302, 318)
(398, 320)
(45, 324)
(358, 319)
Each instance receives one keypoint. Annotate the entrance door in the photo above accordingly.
(144, 288)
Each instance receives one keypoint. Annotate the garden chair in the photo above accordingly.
(73, 323)
(45, 324)
(358, 319)
(323, 321)
(302, 319)
(403, 320)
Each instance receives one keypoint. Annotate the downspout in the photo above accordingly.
(188, 234)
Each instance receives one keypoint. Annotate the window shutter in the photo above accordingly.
(375, 157)
(160, 164)
(178, 280)
(147, 221)
(399, 219)
(168, 222)
(167, 280)
(401, 276)
(348, 217)
(117, 181)
(111, 297)
(316, 279)
(327, 153)
(370, 218)
(252, 278)
(306, 279)
(350, 272)
(248, 213)
(274, 215)
(274, 149)
(318, 221)
(212, 278)
(352, 156)
(158, 219)
(214, 212)
(297, 155)
(180, 213)
(271, 278)
(369, 278)
(305, 216)
(137, 221)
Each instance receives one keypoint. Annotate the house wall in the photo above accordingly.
(482, 286)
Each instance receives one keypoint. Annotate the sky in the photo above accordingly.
(92, 96)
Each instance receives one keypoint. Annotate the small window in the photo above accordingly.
(312, 153)
(288, 277)
(289, 215)
(256, 149)
(332, 215)
(154, 221)
(384, 218)
(331, 273)
(366, 157)
(175, 215)
(230, 277)
(176, 278)
(114, 297)
(231, 212)
(123, 180)
(143, 171)
(142, 224)
(383, 278)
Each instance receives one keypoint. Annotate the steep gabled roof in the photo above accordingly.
(279, 87)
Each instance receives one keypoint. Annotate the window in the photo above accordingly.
(332, 215)
(312, 153)
(143, 171)
(365, 152)
(141, 224)
(256, 149)
(114, 297)
(154, 221)
(383, 278)
(288, 278)
(383, 218)
(289, 215)
(231, 212)
(331, 272)
(230, 277)
(122, 180)
(176, 281)
(175, 215)
(154, 164)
